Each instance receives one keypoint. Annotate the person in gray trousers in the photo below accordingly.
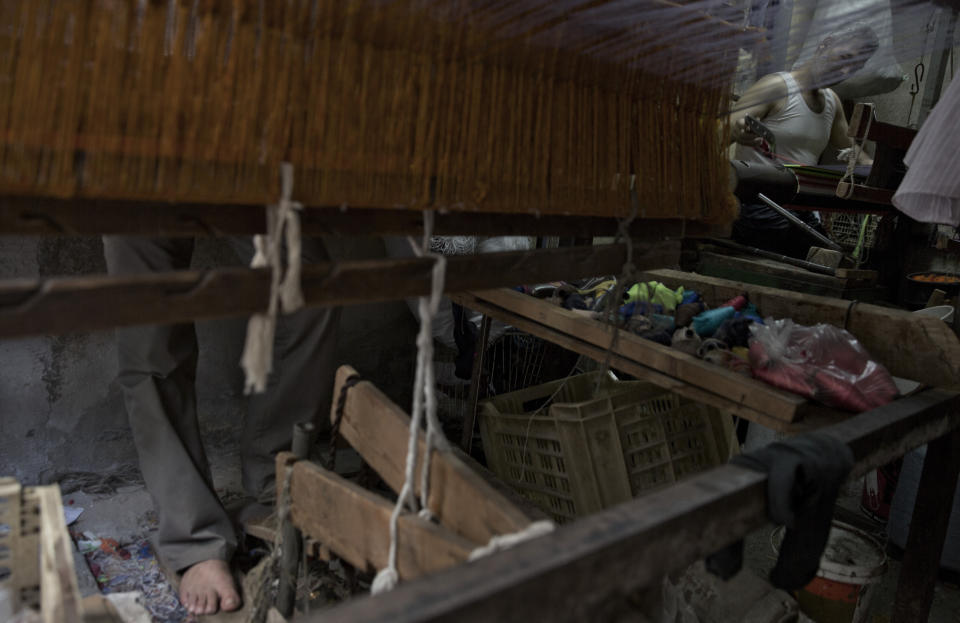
(157, 374)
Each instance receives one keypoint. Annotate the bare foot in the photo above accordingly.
(207, 587)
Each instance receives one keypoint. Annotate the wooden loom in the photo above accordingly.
(153, 117)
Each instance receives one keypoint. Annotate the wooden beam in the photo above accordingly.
(459, 497)
(928, 530)
(87, 216)
(567, 574)
(895, 136)
(755, 394)
(867, 194)
(63, 305)
(916, 347)
(637, 369)
(355, 524)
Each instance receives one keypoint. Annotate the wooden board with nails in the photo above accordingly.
(459, 497)
(355, 524)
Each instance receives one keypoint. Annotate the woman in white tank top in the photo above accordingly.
(806, 119)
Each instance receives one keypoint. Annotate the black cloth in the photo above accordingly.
(465, 337)
(804, 475)
(761, 227)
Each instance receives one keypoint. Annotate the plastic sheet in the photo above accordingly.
(821, 362)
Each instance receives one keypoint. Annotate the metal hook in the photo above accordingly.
(917, 78)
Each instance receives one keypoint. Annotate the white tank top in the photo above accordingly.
(802, 135)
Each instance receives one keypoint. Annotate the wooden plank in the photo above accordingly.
(644, 373)
(772, 268)
(98, 609)
(90, 216)
(558, 577)
(355, 523)
(63, 305)
(59, 595)
(915, 347)
(687, 368)
(869, 276)
(928, 530)
(459, 497)
(568, 574)
(28, 560)
(14, 566)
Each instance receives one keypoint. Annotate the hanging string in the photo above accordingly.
(853, 154)
(506, 541)
(424, 404)
(283, 226)
(627, 272)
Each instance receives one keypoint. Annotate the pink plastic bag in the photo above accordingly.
(821, 362)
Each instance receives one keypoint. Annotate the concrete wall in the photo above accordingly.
(61, 411)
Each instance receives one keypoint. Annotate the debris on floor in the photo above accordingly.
(133, 567)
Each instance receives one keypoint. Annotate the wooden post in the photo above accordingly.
(928, 529)
(292, 543)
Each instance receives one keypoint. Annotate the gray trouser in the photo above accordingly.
(157, 373)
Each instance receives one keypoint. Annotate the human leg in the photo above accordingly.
(157, 371)
(299, 387)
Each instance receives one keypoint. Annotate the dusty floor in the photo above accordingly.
(126, 518)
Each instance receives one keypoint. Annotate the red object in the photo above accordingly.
(824, 363)
(833, 590)
(737, 302)
(878, 488)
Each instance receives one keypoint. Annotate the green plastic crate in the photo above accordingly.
(577, 445)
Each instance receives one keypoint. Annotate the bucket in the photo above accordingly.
(850, 571)
(943, 312)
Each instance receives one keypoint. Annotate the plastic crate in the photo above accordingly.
(588, 442)
(844, 229)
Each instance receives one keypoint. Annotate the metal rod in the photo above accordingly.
(813, 233)
(291, 544)
(786, 259)
(470, 417)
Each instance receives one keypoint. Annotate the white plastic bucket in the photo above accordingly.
(851, 568)
(943, 312)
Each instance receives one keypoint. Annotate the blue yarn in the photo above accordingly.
(663, 323)
(706, 323)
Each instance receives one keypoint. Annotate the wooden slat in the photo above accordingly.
(777, 404)
(459, 497)
(567, 575)
(86, 216)
(641, 372)
(59, 595)
(355, 523)
(63, 305)
(916, 347)
(28, 559)
(14, 569)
